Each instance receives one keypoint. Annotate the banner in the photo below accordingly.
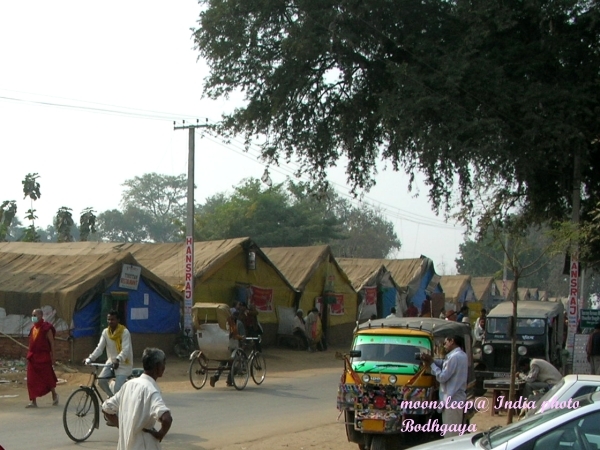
(370, 295)
(262, 298)
(337, 308)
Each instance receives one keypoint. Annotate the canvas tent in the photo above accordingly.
(416, 277)
(509, 287)
(222, 271)
(81, 287)
(320, 281)
(377, 291)
(458, 291)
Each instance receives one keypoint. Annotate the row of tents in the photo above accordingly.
(78, 283)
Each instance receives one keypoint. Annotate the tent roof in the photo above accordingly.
(65, 278)
(361, 271)
(481, 286)
(527, 309)
(406, 271)
(510, 286)
(453, 285)
(299, 264)
(166, 260)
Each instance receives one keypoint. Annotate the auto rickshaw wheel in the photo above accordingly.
(378, 442)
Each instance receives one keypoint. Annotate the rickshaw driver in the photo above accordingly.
(237, 333)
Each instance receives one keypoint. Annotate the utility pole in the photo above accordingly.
(188, 300)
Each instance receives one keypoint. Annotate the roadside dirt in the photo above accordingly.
(13, 391)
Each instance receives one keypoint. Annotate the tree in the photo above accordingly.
(31, 189)
(87, 224)
(485, 257)
(153, 207)
(271, 216)
(63, 223)
(461, 91)
(8, 210)
(368, 233)
(130, 225)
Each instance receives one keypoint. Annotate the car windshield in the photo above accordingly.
(525, 326)
(502, 435)
(378, 349)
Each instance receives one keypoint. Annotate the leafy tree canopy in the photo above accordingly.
(153, 206)
(464, 92)
(289, 214)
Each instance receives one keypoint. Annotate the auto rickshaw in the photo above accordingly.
(383, 371)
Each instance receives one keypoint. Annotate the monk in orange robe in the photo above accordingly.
(41, 378)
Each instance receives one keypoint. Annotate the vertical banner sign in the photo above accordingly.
(188, 299)
(573, 310)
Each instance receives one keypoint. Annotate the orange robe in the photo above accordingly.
(41, 378)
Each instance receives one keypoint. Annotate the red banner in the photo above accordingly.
(370, 295)
(337, 308)
(262, 298)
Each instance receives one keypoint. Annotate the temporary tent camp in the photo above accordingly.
(376, 288)
(80, 288)
(315, 273)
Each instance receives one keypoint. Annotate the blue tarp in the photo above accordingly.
(147, 312)
(388, 300)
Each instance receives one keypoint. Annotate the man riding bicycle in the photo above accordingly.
(117, 342)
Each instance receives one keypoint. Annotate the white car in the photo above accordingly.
(574, 428)
(570, 386)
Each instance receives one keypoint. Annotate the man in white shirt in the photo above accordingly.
(452, 374)
(540, 374)
(137, 407)
(117, 342)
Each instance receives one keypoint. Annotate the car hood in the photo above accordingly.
(463, 442)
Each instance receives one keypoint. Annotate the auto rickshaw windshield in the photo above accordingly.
(397, 349)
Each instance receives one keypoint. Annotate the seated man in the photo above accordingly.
(237, 333)
(540, 374)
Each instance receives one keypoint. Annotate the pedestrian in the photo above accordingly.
(451, 373)
(538, 374)
(41, 357)
(426, 307)
(593, 350)
(299, 329)
(411, 311)
(479, 332)
(138, 405)
(463, 312)
(237, 333)
(253, 328)
(314, 329)
(116, 340)
(392, 314)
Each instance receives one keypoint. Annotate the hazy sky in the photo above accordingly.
(88, 96)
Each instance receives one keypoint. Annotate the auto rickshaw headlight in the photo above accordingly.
(366, 378)
(393, 379)
(522, 350)
(488, 349)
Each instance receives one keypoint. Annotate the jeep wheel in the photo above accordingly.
(351, 433)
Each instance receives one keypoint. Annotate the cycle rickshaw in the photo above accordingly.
(215, 354)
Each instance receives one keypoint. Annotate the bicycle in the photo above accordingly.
(184, 344)
(256, 362)
(81, 414)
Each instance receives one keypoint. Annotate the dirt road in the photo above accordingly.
(330, 436)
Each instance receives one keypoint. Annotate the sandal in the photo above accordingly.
(31, 405)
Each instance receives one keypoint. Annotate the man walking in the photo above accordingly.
(451, 373)
(41, 378)
(137, 407)
(117, 342)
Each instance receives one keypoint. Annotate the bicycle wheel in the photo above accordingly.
(239, 370)
(258, 368)
(199, 371)
(80, 415)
